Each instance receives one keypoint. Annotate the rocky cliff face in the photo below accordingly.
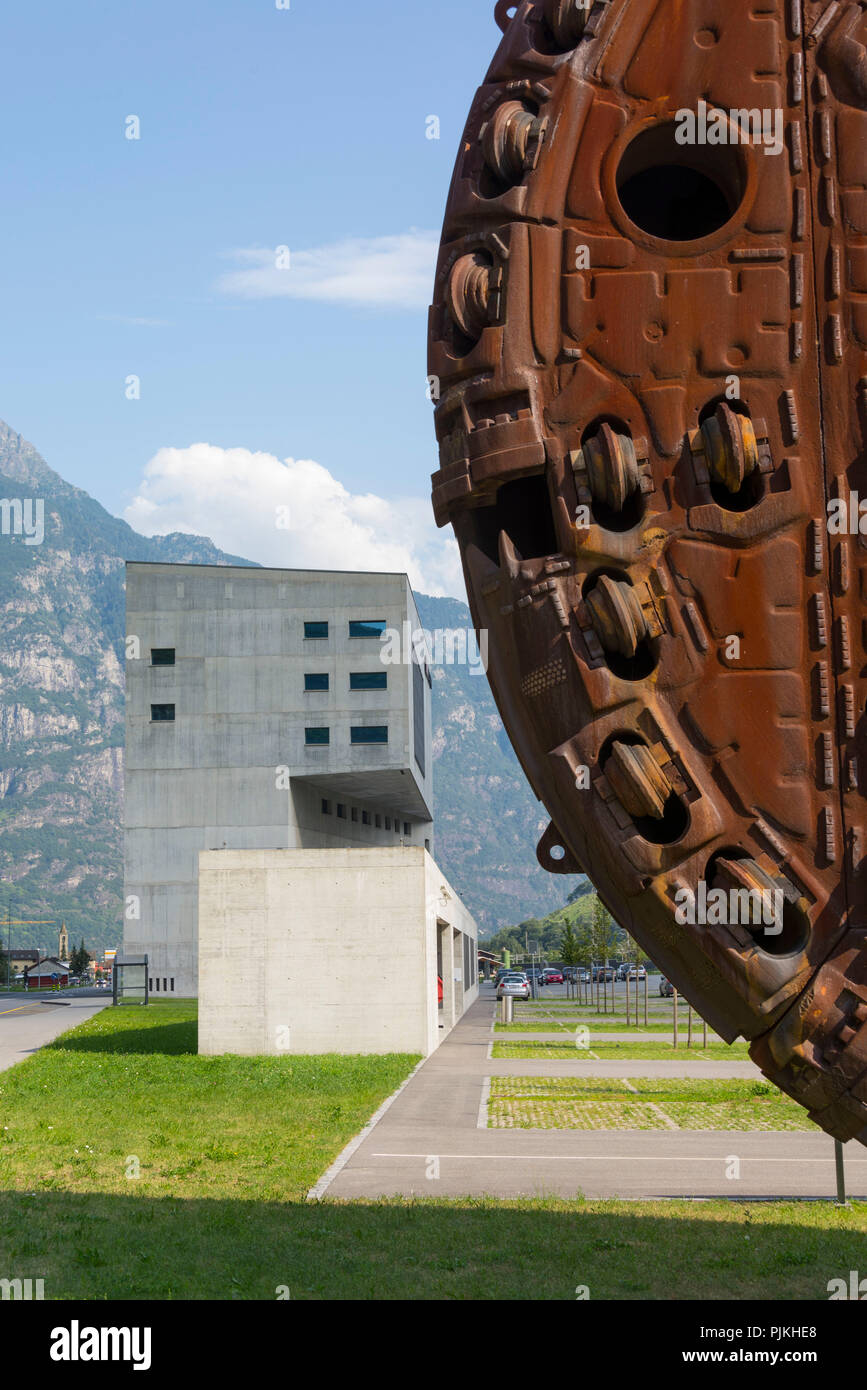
(61, 700)
(61, 726)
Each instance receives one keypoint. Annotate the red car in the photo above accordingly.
(551, 977)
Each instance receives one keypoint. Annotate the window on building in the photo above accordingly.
(377, 733)
(368, 627)
(326, 807)
(172, 984)
(378, 820)
(388, 822)
(354, 813)
(317, 736)
(418, 716)
(162, 656)
(407, 828)
(157, 983)
(365, 818)
(397, 827)
(316, 682)
(162, 714)
(150, 985)
(316, 631)
(470, 950)
(341, 811)
(368, 680)
(164, 985)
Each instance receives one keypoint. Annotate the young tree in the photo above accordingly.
(570, 949)
(79, 959)
(604, 934)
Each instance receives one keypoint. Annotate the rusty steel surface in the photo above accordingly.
(652, 360)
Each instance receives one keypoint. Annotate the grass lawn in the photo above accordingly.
(538, 1102)
(127, 1085)
(228, 1146)
(614, 1051)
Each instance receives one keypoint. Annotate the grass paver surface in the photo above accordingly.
(531, 1102)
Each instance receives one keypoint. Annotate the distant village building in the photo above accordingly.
(17, 960)
(46, 973)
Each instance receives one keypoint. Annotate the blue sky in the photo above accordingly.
(260, 127)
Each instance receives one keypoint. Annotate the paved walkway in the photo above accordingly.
(432, 1141)
(26, 1024)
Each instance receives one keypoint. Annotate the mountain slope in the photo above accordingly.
(488, 821)
(61, 728)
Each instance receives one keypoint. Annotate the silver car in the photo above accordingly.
(514, 986)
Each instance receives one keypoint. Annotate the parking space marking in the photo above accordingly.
(482, 1122)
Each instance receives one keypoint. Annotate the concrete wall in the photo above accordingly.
(233, 770)
(326, 951)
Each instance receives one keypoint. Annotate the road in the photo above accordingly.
(27, 1023)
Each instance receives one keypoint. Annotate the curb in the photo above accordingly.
(317, 1192)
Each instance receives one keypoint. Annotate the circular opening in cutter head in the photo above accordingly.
(679, 193)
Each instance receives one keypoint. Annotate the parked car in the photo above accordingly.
(637, 972)
(513, 987)
(666, 988)
(603, 973)
(551, 977)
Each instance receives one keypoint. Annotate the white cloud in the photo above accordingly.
(292, 514)
(387, 272)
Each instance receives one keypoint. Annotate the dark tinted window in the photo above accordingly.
(315, 629)
(316, 682)
(317, 736)
(162, 714)
(377, 734)
(368, 680)
(163, 656)
(418, 716)
(367, 627)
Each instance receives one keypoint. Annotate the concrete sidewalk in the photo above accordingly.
(26, 1024)
(433, 1142)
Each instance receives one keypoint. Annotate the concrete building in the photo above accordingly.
(265, 714)
(334, 950)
